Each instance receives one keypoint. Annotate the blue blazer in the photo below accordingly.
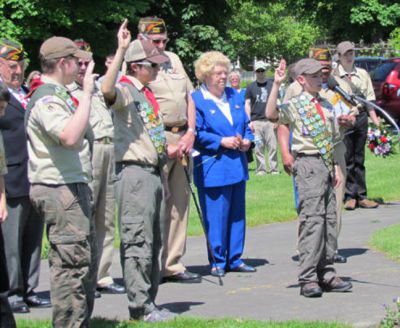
(217, 166)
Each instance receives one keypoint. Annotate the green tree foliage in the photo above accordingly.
(32, 21)
(194, 27)
(267, 29)
(394, 40)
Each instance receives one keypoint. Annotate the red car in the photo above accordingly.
(386, 81)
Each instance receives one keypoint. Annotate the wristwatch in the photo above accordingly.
(193, 131)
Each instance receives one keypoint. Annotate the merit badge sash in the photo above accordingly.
(151, 121)
(315, 124)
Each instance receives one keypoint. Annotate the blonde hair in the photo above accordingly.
(207, 61)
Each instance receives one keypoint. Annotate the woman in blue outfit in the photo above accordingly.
(220, 171)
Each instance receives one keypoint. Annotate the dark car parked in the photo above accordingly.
(386, 81)
(368, 63)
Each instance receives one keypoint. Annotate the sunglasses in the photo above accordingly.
(152, 65)
(159, 41)
(260, 71)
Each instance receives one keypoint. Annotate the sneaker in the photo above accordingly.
(158, 316)
(350, 204)
(275, 172)
(336, 285)
(260, 174)
(366, 203)
(311, 289)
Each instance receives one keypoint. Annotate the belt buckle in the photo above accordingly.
(175, 129)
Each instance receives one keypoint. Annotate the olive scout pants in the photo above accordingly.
(66, 210)
(317, 219)
(139, 195)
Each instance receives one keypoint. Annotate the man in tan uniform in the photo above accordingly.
(361, 85)
(171, 89)
(102, 185)
(59, 172)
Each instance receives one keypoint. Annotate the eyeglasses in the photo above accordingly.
(152, 65)
(260, 71)
(159, 41)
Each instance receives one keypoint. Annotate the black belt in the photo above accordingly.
(176, 129)
(307, 155)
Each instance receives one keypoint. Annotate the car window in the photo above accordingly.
(381, 72)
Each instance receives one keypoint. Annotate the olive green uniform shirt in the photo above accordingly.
(49, 161)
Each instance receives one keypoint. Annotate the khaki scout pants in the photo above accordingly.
(66, 210)
(139, 195)
(264, 130)
(317, 219)
(177, 196)
(102, 187)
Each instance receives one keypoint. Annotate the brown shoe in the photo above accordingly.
(336, 285)
(350, 204)
(311, 289)
(366, 203)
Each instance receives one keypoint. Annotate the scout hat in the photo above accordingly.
(144, 50)
(58, 47)
(152, 25)
(307, 66)
(260, 65)
(11, 50)
(344, 46)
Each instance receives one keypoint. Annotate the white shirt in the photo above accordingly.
(222, 103)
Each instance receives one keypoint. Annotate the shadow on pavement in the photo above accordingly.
(180, 307)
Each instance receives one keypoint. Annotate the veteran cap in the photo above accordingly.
(11, 50)
(307, 66)
(59, 47)
(152, 25)
(83, 45)
(144, 50)
(344, 46)
(320, 54)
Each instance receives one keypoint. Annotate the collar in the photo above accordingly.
(342, 71)
(136, 83)
(49, 80)
(73, 86)
(208, 95)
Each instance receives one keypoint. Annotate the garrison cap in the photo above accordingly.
(11, 50)
(152, 25)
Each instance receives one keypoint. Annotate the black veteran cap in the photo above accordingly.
(320, 54)
(11, 50)
(152, 25)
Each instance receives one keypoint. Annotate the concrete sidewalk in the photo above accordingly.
(272, 292)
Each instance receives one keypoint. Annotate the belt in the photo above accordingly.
(104, 140)
(307, 155)
(176, 129)
(147, 167)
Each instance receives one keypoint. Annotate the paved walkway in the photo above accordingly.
(272, 293)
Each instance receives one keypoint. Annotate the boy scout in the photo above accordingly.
(344, 112)
(59, 171)
(140, 151)
(315, 173)
(360, 83)
(171, 89)
(103, 173)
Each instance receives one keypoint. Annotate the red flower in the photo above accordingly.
(384, 139)
(371, 146)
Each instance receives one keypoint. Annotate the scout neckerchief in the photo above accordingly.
(313, 119)
(148, 111)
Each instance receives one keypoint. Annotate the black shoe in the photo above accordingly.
(36, 301)
(97, 294)
(112, 289)
(19, 307)
(185, 277)
(336, 285)
(244, 268)
(217, 272)
(311, 289)
(339, 258)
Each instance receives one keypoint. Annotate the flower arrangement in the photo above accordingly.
(380, 140)
(392, 315)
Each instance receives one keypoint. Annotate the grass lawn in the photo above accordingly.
(269, 198)
(387, 241)
(192, 323)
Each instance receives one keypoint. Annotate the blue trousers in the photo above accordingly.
(224, 217)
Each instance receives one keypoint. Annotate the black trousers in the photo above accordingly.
(355, 156)
(6, 315)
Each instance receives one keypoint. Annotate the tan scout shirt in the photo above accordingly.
(302, 142)
(49, 161)
(361, 79)
(131, 140)
(171, 89)
(3, 164)
(100, 116)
